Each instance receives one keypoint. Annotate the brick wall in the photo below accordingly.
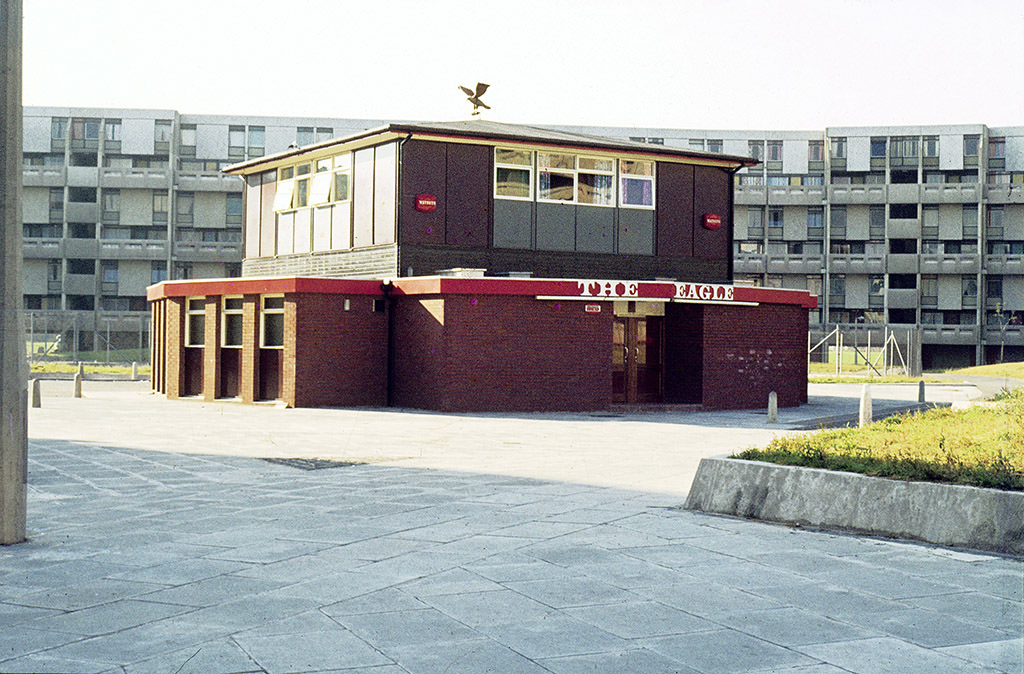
(751, 351)
(500, 353)
(175, 326)
(370, 262)
(340, 357)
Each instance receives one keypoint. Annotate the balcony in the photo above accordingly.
(207, 251)
(795, 264)
(81, 248)
(80, 284)
(900, 263)
(901, 298)
(1003, 194)
(82, 211)
(950, 193)
(42, 248)
(949, 264)
(748, 263)
(133, 249)
(43, 176)
(904, 193)
(904, 228)
(856, 194)
(210, 181)
(796, 195)
(949, 334)
(1014, 335)
(1004, 264)
(135, 178)
(83, 176)
(869, 263)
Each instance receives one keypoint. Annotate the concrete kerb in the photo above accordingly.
(942, 514)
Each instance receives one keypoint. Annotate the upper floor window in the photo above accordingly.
(775, 150)
(816, 150)
(971, 145)
(837, 146)
(162, 131)
(637, 183)
(996, 148)
(112, 130)
(755, 148)
(513, 173)
(878, 147)
(931, 146)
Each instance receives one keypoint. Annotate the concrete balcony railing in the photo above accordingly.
(207, 251)
(857, 194)
(857, 264)
(795, 264)
(950, 193)
(1005, 194)
(42, 248)
(1013, 335)
(135, 178)
(898, 263)
(950, 334)
(1004, 264)
(902, 298)
(208, 181)
(81, 248)
(904, 193)
(749, 264)
(132, 249)
(950, 264)
(43, 176)
(80, 284)
(83, 176)
(796, 195)
(904, 228)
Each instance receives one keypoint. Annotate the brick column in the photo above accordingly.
(211, 349)
(248, 375)
(174, 349)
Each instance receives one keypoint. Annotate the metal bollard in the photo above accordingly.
(78, 385)
(773, 407)
(865, 405)
(37, 396)
(920, 391)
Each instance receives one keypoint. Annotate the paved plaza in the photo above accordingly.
(162, 540)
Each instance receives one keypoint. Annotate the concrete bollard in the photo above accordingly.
(78, 385)
(135, 371)
(81, 369)
(37, 396)
(920, 391)
(773, 407)
(865, 405)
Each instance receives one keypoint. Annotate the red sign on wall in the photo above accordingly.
(712, 221)
(592, 308)
(426, 203)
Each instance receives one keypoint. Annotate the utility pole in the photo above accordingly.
(13, 364)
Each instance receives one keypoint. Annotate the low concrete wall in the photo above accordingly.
(953, 515)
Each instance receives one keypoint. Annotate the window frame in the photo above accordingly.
(652, 179)
(530, 170)
(270, 311)
(228, 315)
(190, 314)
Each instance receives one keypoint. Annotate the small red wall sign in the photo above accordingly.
(426, 202)
(592, 308)
(712, 221)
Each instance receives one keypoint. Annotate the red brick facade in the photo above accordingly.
(479, 344)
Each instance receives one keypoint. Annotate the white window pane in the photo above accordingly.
(321, 188)
(283, 197)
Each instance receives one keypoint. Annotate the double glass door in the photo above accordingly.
(637, 361)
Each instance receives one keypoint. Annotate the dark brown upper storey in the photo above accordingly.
(411, 199)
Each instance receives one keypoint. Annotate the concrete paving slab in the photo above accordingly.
(420, 564)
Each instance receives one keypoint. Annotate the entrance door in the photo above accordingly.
(637, 363)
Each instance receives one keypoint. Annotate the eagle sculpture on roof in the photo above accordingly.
(474, 96)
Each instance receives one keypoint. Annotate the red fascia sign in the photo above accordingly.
(426, 203)
(712, 221)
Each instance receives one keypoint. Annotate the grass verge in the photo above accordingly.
(68, 368)
(981, 446)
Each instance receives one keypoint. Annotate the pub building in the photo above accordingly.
(480, 266)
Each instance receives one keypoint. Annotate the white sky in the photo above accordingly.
(714, 64)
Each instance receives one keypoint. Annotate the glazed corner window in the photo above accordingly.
(231, 335)
(195, 321)
(513, 173)
(272, 321)
(637, 183)
(341, 186)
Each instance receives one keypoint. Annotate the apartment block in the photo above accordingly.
(914, 228)
(116, 200)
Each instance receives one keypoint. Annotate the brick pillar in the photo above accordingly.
(211, 349)
(248, 375)
(174, 347)
(290, 350)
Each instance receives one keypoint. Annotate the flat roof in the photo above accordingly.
(482, 130)
(591, 290)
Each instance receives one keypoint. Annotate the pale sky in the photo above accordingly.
(714, 64)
